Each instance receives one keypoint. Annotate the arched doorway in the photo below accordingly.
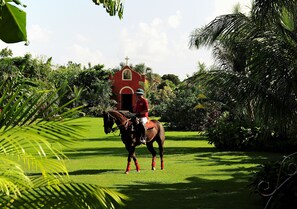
(126, 94)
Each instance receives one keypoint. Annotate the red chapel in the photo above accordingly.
(124, 85)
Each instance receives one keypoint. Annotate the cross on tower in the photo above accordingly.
(127, 58)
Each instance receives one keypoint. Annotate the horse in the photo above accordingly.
(155, 132)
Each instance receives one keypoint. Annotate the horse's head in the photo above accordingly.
(108, 122)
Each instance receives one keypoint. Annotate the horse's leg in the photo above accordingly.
(128, 168)
(150, 147)
(132, 155)
(161, 150)
(128, 165)
(136, 163)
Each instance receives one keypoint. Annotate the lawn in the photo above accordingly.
(196, 175)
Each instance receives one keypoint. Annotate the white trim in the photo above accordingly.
(126, 87)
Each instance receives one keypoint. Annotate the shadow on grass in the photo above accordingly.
(82, 172)
(91, 171)
(89, 152)
(197, 193)
(214, 156)
(140, 151)
(186, 137)
(240, 157)
(107, 138)
(177, 137)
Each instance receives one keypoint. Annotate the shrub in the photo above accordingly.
(228, 133)
(181, 112)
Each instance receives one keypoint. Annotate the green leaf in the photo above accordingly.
(287, 20)
(66, 195)
(12, 24)
(112, 7)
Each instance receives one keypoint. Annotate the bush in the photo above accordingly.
(181, 112)
(228, 133)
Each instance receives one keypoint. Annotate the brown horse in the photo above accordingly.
(129, 136)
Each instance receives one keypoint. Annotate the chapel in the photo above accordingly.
(124, 85)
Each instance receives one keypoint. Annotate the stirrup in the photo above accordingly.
(142, 140)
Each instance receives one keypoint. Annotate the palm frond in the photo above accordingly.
(66, 195)
(30, 139)
(32, 128)
(222, 27)
(12, 177)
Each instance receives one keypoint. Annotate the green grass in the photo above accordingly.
(196, 175)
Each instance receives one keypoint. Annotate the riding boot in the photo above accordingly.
(143, 134)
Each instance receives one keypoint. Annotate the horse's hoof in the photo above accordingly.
(153, 168)
(138, 171)
(127, 172)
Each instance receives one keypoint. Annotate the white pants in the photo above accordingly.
(143, 120)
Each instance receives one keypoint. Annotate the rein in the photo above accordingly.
(120, 125)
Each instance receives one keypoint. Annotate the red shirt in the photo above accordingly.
(142, 107)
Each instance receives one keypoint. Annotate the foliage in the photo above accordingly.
(6, 53)
(89, 86)
(32, 131)
(96, 90)
(180, 110)
(66, 195)
(12, 22)
(13, 19)
(64, 74)
(171, 77)
(256, 60)
(265, 180)
(276, 182)
(141, 68)
(159, 99)
(229, 133)
(112, 7)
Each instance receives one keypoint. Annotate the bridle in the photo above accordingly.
(119, 126)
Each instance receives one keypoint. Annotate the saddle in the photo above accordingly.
(150, 125)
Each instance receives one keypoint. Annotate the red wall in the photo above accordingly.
(126, 86)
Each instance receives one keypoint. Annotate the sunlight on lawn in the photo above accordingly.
(195, 172)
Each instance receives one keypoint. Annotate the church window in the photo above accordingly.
(127, 75)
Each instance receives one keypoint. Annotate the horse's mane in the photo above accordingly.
(117, 113)
(124, 114)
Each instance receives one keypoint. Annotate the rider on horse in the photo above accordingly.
(141, 110)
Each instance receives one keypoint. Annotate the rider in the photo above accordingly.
(141, 110)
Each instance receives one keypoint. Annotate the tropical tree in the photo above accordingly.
(13, 19)
(5, 52)
(32, 130)
(178, 107)
(257, 63)
(96, 88)
(171, 77)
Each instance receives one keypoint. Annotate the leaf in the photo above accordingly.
(201, 96)
(287, 20)
(66, 195)
(19, 3)
(199, 106)
(12, 24)
(112, 7)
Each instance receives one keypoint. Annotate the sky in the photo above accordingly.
(152, 32)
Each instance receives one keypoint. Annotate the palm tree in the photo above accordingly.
(257, 64)
(32, 128)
